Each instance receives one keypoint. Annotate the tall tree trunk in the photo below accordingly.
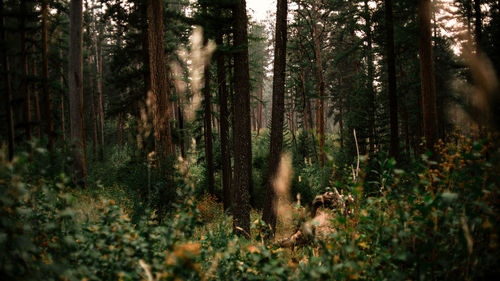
(61, 81)
(158, 74)
(75, 84)
(320, 103)
(93, 109)
(45, 75)
(427, 74)
(260, 108)
(8, 85)
(98, 69)
(303, 93)
(371, 90)
(208, 132)
(37, 99)
(181, 130)
(478, 23)
(24, 65)
(145, 49)
(277, 115)
(120, 131)
(224, 126)
(242, 129)
(391, 72)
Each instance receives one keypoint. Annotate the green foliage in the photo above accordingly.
(433, 220)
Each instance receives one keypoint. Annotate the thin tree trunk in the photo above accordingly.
(371, 90)
(224, 126)
(427, 74)
(278, 109)
(303, 93)
(391, 72)
(61, 81)
(98, 69)
(8, 85)
(260, 108)
(181, 130)
(45, 75)
(242, 129)
(37, 99)
(320, 103)
(145, 49)
(478, 23)
(93, 108)
(75, 78)
(120, 131)
(24, 65)
(208, 132)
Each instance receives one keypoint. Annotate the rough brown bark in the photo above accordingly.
(277, 115)
(427, 74)
(158, 76)
(45, 76)
(320, 102)
(391, 73)
(75, 79)
(8, 86)
(241, 130)
(208, 132)
(224, 126)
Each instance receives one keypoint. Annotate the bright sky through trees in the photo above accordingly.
(260, 8)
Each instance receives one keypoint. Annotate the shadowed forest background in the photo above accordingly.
(192, 140)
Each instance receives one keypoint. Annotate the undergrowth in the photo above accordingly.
(432, 220)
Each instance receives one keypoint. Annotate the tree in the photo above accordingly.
(269, 213)
(45, 75)
(158, 75)
(208, 131)
(24, 66)
(7, 84)
(391, 73)
(75, 84)
(224, 124)
(242, 127)
(427, 74)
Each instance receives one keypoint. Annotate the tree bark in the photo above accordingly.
(277, 115)
(242, 129)
(391, 73)
(208, 132)
(427, 74)
(371, 70)
(24, 82)
(75, 79)
(320, 102)
(37, 99)
(158, 76)
(45, 76)
(61, 81)
(478, 23)
(98, 69)
(8, 85)
(224, 126)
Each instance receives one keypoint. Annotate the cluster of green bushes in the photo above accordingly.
(433, 220)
